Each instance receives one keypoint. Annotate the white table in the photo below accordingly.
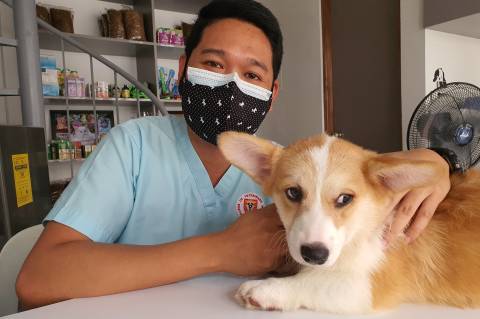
(205, 297)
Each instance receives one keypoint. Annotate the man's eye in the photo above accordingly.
(214, 64)
(252, 76)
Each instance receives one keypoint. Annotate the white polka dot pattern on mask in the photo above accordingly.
(211, 111)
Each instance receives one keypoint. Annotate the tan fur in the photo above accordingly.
(443, 265)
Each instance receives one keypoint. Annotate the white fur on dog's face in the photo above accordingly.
(323, 174)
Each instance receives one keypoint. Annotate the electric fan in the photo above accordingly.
(449, 117)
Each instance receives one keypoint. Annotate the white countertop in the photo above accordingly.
(205, 297)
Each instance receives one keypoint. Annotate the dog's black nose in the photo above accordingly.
(315, 254)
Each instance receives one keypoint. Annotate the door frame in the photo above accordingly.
(328, 112)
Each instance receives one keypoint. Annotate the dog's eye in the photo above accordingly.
(294, 194)
(343, 200)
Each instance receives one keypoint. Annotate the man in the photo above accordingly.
(158, 203)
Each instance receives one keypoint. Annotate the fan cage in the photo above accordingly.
(450, 102)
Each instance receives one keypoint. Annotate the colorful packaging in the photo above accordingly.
(163, 36)
(101, 90)
(48, 66)
(80, 87)
(167, 82)
(72, 87)
(177, 37)
(169, 36)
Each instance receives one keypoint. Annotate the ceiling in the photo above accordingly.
(467, 26)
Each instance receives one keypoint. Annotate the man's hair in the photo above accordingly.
(245, 10)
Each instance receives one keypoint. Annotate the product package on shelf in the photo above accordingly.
(133, 23)
(168, 83)
(101, 90)
(48, 66)
(169, 36)
(62, 19)
(116, 28)
(122, 24)
(43, 13)
(75, 85)
(86, 128)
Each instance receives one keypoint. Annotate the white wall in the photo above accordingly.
(457, 55)
(298, 111)
(412, 59)
(169, 19)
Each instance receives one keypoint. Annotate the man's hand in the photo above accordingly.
(413, 211)
(255, 244)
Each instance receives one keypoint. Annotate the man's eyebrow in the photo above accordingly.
(258, 63)
(220, 52)
(213, 51)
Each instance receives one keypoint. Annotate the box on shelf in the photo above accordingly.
(76, 87)
(48, 66)
(168, 83)
(169, 36)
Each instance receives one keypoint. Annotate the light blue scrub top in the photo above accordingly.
(145, 184)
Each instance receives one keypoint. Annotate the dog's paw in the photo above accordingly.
(270, 294)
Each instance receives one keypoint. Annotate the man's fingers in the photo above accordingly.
(404, 213)
(422, 218)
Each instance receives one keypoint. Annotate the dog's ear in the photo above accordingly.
(401, 175)
(253, 155)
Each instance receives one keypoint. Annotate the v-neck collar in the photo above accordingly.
(208, 193)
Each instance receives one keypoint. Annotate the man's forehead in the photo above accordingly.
(233, 31)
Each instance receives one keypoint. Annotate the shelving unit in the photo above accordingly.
(144, 57)
(67, 161)
(171, 105)
(146, 52)
(109, 46)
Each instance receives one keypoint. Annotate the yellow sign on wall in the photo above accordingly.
(21, 176)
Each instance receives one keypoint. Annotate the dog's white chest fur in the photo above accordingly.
(344, 288)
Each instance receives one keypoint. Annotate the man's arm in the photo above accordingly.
(66, 264)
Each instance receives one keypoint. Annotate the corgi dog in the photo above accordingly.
(334, 199)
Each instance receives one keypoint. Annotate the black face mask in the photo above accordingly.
(214, 103)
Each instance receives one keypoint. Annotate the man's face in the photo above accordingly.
(231, 45)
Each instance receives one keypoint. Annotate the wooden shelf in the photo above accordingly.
(170, 105)
(101, 45)
(175, 109)
(8, 42)
(109, 46)
(9, 92)
(59, 100)
(165, 51)
(67, 161)
(110, 99)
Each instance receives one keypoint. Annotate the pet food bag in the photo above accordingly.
(43, 14)
(62, 19)
(103, 23)
(115, 24)
(134, 27)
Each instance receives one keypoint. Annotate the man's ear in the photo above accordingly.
(181, 65)
(253, 155)
(275, 91)
(401, 175)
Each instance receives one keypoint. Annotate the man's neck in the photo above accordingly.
(211, 157)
